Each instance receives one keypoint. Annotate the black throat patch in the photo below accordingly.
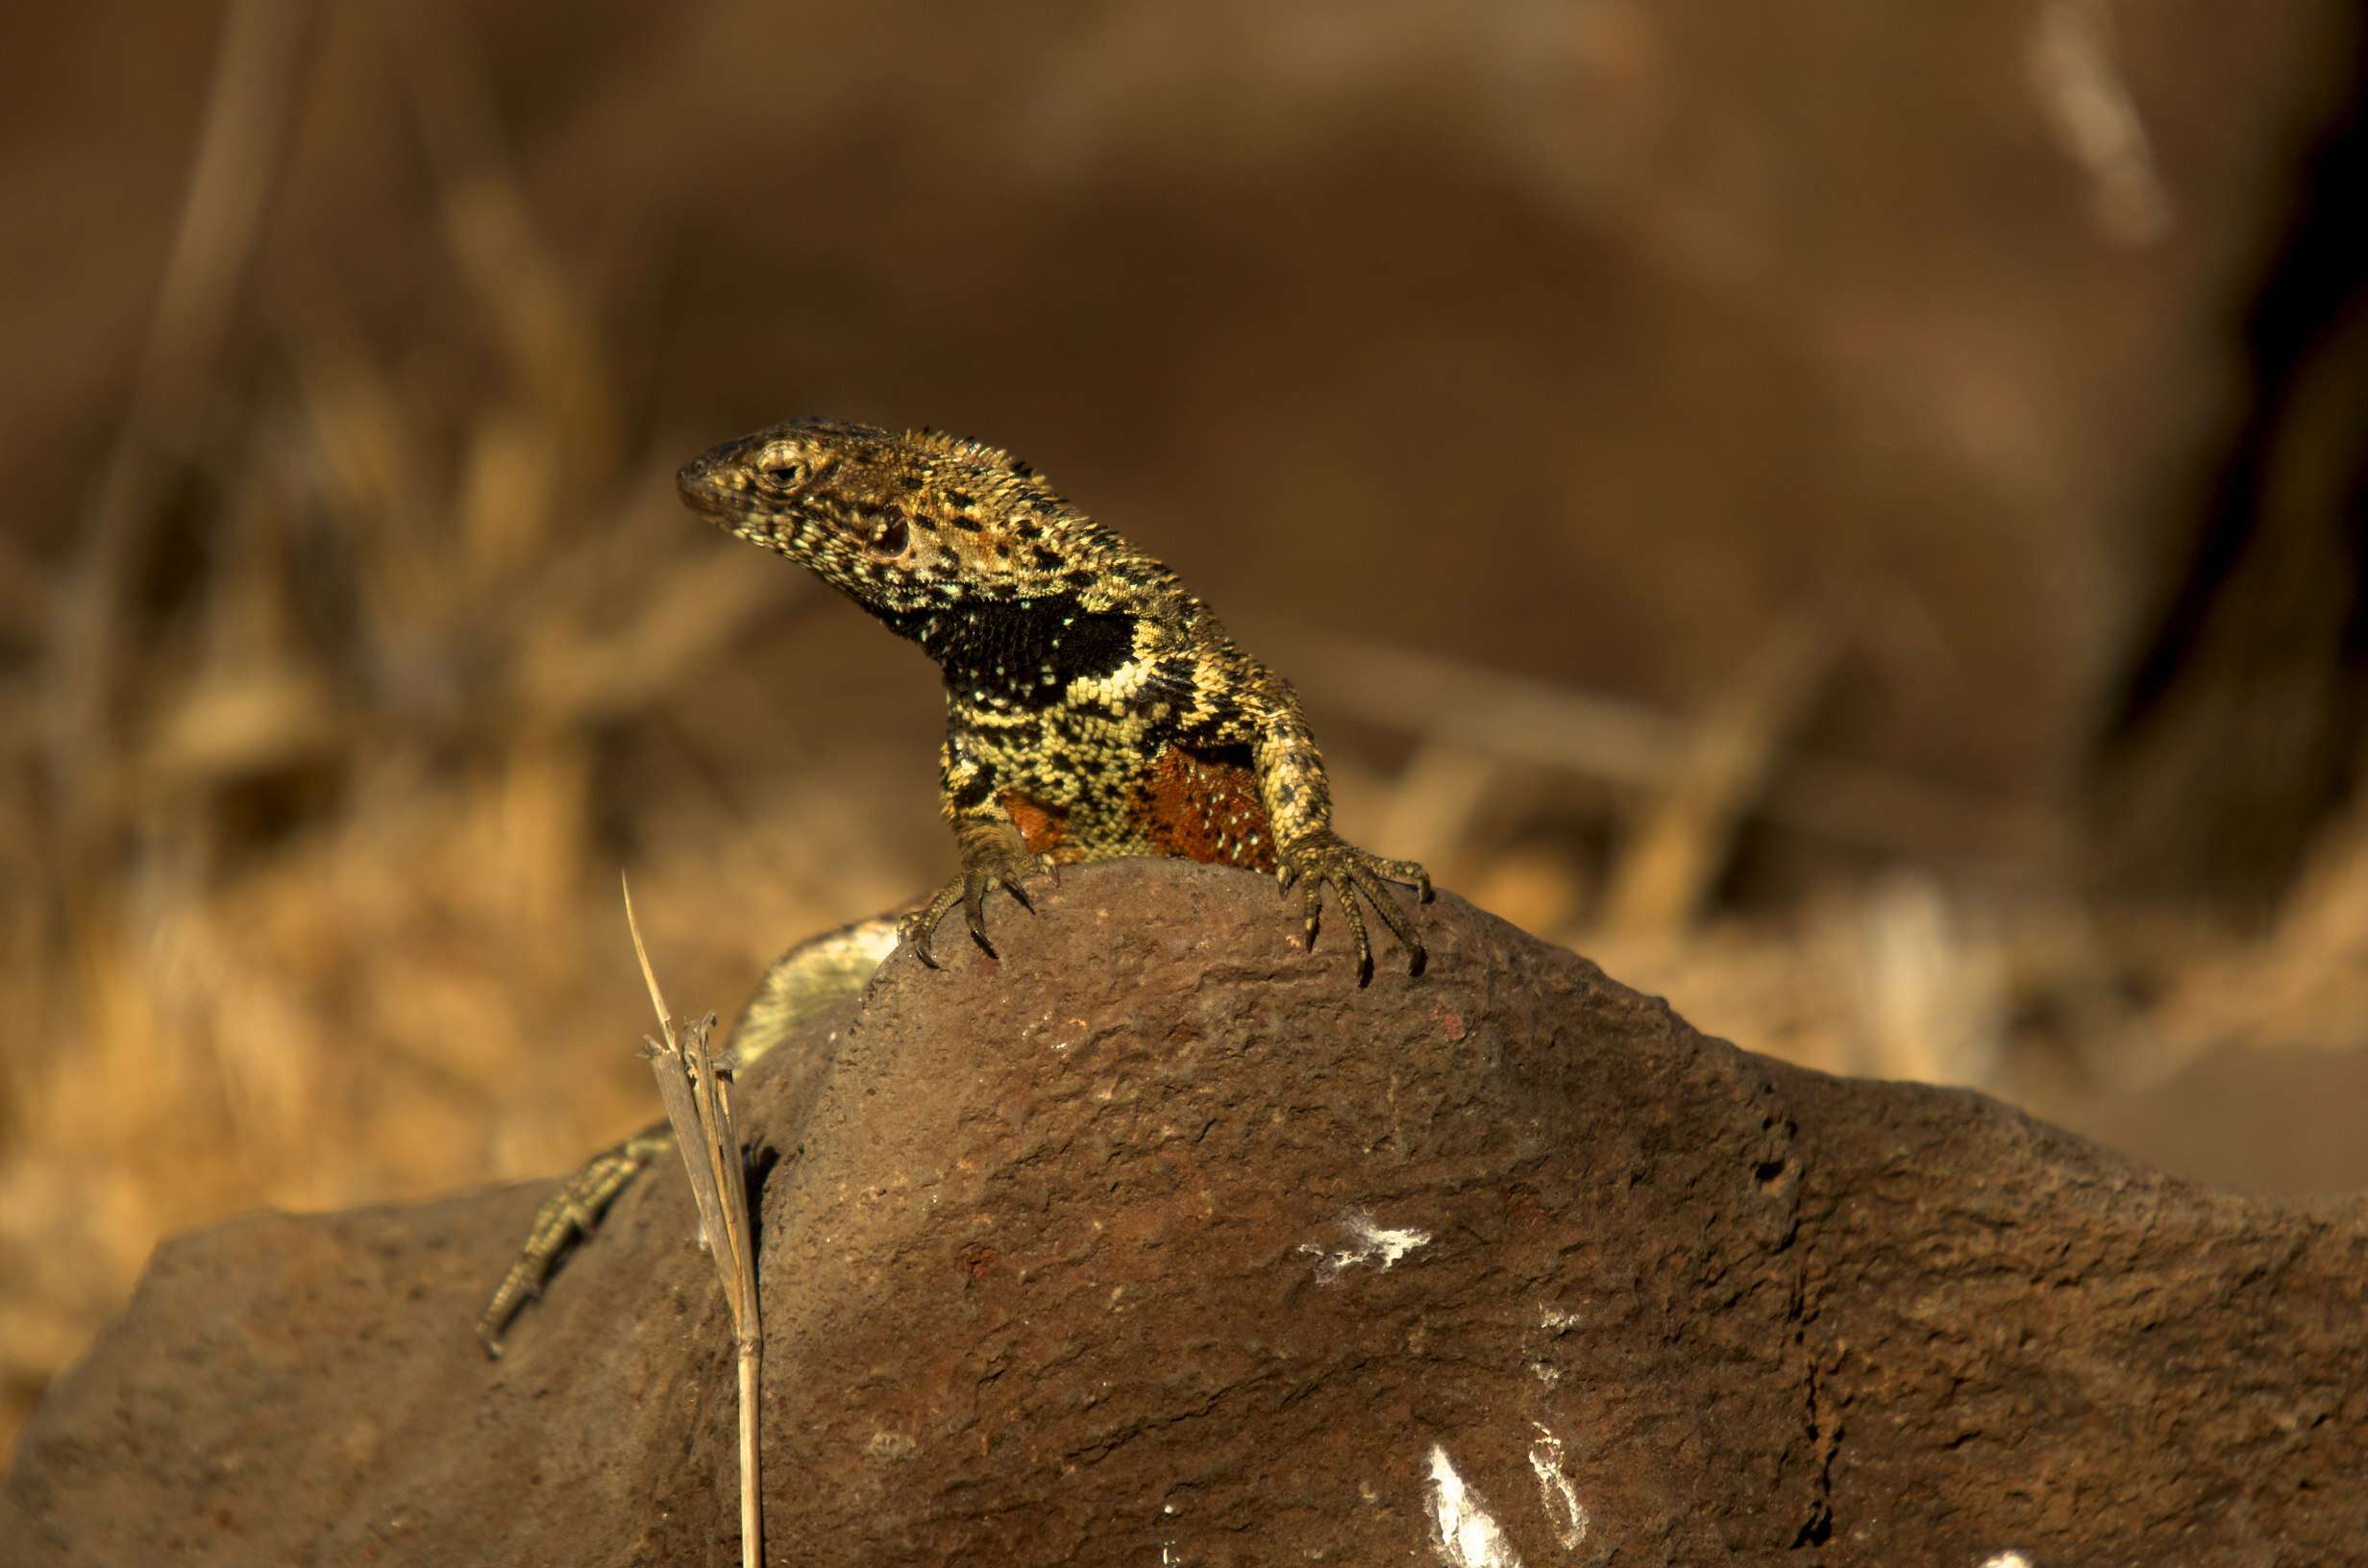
(1024, 652)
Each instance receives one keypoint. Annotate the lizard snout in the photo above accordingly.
(710, 482)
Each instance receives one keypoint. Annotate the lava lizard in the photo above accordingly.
(1093, 708)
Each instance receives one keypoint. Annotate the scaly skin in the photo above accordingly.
(799, 985)
(1093, 708)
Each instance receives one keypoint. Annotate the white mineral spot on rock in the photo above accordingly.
(1554, 1320)
(1368, 1243)
(892, 1445)
(2008, 1560)
(1555, 1493)
(1467, 1536)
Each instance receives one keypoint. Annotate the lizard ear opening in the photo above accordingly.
(891, 534)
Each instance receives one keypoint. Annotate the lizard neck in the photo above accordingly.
(1022, 652)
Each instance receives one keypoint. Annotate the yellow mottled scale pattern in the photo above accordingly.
(1093, 707)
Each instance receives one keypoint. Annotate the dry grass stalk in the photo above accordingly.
(248, 110)
(398, 703)
(1683, 838)
(448, 648)
(1635, 746)
(697, 1091)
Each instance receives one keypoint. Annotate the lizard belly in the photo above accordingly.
(1193, 804)
(1205, 805)
(1043, 828)
(1187, 803)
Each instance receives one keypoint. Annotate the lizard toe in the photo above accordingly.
(1400, 926)
(1347, 890)
(974, 886)
(1357, 878)
(916, 929)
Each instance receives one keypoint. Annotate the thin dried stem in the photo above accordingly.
(1681, 836)
(641, 955)
(1632, 745)
(234, 160)
(698, 1097)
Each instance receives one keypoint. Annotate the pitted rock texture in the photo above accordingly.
(1159, 1241)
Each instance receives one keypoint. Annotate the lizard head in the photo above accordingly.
(904, 524)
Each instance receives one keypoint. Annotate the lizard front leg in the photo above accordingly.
(992, 852)
(1298, 802)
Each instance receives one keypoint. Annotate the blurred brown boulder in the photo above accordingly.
(1159, 1241)
(1593, 340)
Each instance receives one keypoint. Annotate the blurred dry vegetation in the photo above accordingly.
(1851, 516)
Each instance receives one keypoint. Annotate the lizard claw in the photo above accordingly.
(974, 886)
(986, 868)
(1323, 859)
(913, 930)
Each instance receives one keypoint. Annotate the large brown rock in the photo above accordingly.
(1160, 1242)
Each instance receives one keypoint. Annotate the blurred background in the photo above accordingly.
(1850, 515)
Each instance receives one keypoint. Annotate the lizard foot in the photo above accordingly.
(1323, 857)
(994, 862)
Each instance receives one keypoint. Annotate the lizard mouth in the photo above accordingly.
(716, 486)
(704, 489)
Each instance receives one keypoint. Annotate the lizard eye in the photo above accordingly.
(891, 534)
(781, 476)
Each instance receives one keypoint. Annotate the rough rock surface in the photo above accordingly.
(1160, 1242)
